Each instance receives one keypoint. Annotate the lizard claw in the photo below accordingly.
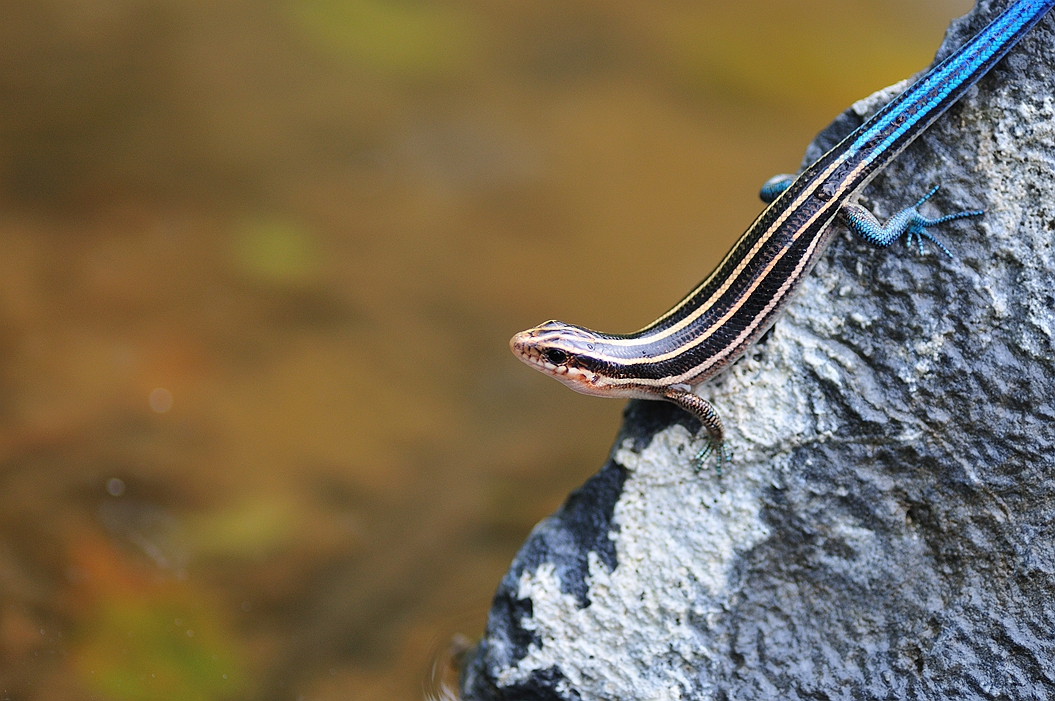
(719, 450)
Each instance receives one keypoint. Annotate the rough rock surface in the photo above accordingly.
(887, 529)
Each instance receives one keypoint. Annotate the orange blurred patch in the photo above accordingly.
(142, 637)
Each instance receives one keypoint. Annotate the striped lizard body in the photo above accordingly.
(717, 321)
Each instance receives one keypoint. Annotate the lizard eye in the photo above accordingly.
(555, 356)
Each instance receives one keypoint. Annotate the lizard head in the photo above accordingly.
(562, 351)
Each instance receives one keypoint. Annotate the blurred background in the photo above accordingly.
(261, 436)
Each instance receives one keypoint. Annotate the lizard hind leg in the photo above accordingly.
(908, 222)
(709, 421)
(772, 188)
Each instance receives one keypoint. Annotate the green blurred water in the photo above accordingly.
(260, 433)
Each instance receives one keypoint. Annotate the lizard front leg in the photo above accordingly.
(709, 420)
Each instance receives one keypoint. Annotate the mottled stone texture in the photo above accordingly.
(887, 529)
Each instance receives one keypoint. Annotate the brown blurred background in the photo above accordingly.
(261, 436)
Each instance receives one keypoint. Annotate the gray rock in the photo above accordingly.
(887, 529)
